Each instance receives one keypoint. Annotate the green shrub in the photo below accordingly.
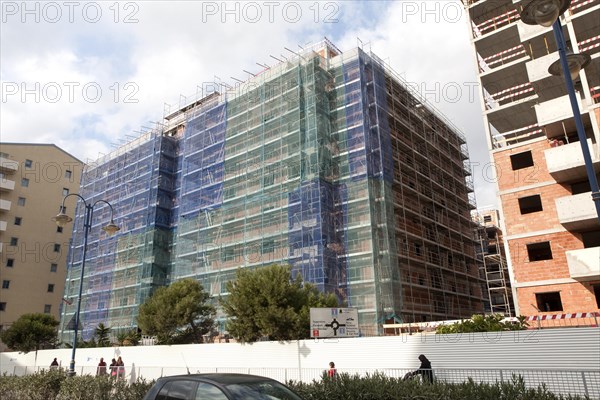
(381, 387)
(55, 385)
(40, 386)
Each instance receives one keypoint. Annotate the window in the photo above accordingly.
(268, 179)
(53, 267)
(5, 284)
(56, 248)
(539, 251)
(591, 239)
(418, 249)
(51, 288)
(581, 187)
(530, 204)
(549, 301)
(2, 306)
(28, 163)
(267, 246)
(208, 391)
(487, 218)
(177, 390)
(59, 229)
(14, 241)
(18, 220)
(10, 262)
(68, 174)
(21, 201)
(521, 160)
(227, 254)
(47, 308)
(24, 182)
(597, 294)
(65, 191)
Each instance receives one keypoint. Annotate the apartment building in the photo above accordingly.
(34, 178)
(326, 161)
(550, 225)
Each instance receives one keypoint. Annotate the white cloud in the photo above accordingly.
(176, 46)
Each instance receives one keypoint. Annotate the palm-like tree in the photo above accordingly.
(102, 335)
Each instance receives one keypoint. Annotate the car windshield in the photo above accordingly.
(266, 390)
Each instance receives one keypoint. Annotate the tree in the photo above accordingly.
(31, 332)
(267, 302)
(102, 333)
(128, 338)
(484, 323)
(179, 313)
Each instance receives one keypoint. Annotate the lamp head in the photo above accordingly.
(62, 219)
(576, 63)
(111, 228)
(543, 12)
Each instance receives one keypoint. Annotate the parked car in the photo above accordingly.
(219, 387)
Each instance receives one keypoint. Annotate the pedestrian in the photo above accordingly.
(331, 373)
(54, 364)
(424, 370)
(120, 368)
(113, 368)
(101, 367)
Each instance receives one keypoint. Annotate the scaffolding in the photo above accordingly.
(494, 267)
(328, 162)
(121, 271)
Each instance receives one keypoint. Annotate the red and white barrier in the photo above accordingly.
(551, 317)
(587, 41)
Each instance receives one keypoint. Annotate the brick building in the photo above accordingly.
(550, 224)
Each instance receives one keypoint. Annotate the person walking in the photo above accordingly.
(113, 368)
(101, 367)
(120, 368)
(424, 370)
(332, 372)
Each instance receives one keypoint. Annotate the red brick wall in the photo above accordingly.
(509, 179)
(556, 268)
(575, 297)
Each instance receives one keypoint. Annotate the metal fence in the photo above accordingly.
(574, 382)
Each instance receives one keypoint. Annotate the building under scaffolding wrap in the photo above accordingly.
(327, 162)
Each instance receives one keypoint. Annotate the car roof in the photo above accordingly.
(222, 378)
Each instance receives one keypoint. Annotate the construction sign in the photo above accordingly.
(333, 322)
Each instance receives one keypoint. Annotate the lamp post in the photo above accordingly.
(61, 220)
(547, 13)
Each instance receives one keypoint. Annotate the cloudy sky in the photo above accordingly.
(89, 75)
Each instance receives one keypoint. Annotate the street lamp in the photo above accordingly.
(61, 220)
(547, 13)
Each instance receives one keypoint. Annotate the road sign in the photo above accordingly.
(333, 322)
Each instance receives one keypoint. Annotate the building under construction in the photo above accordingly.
(494, 267)
(326, 161)
(550, 224)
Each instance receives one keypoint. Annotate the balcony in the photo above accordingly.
(7, 184)
(8, 166)
(538, 69)
(584, 264)
(557, 109)
(577, 212)
(5, 205)
(566, 162)
(528, 32)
